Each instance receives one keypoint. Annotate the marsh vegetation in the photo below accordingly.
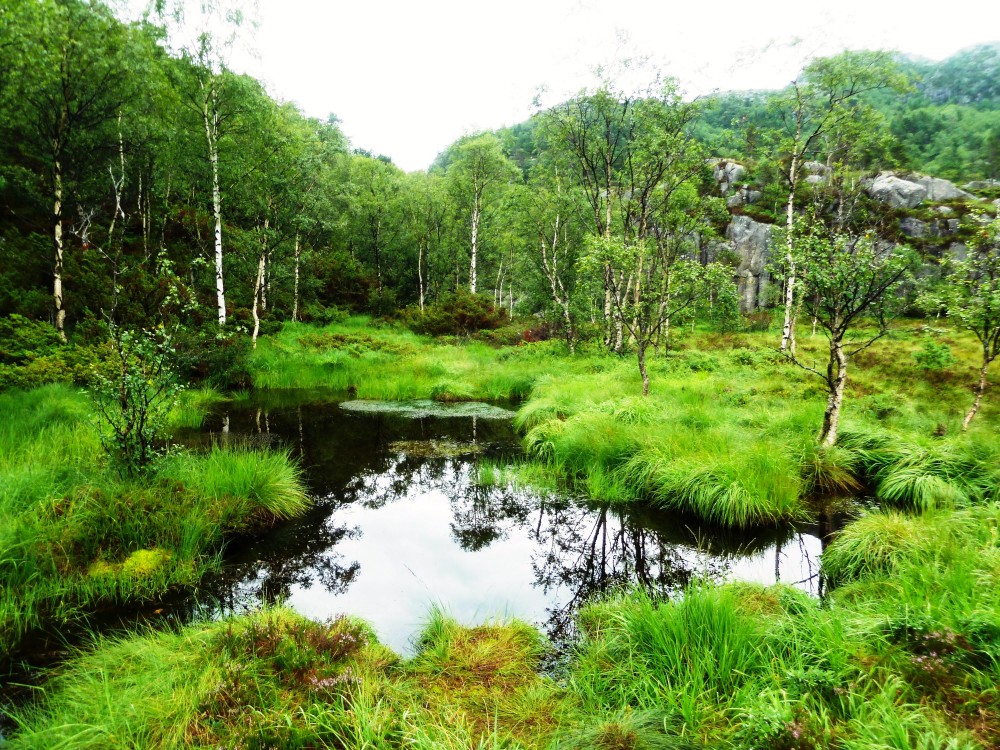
(267, 404)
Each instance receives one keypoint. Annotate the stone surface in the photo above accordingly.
(727, 173)
(913, 227)
(957, 250)
(982, 184)
(895, 191)
(743, 196)
(942, 190)
(751, 241)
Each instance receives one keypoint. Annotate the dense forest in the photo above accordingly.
(721, 320)
(148, 187)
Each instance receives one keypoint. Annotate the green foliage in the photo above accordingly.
(74, 535)
(934, 356)
(457, 314)
(23, 340)
(133, 404)
(218, 358)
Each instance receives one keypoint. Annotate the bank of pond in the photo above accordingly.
(388, 562)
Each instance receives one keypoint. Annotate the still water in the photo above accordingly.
(401, 524)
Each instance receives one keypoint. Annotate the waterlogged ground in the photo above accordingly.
(401, 524)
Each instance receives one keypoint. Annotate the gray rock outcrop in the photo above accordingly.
(942, 190)
(913, 227)
(982, 184)
(751, 241)
(895, 191)
(957, 251)
(816, 168)
(727, 174)
(743, 196)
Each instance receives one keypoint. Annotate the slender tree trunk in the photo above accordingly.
(211, 120)
(57, 241)
(641, 353)
(265, 287)
(420, 272)
(836, 379)
(475, 244)
(257, 290)
(295, 299)
(498, 287)
(979, 393)
(788, 329)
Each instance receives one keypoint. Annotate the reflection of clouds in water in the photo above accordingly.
(396, 531)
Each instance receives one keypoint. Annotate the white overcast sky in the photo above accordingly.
(408, 78)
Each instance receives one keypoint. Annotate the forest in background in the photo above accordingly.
(148, 187)
(172, 237)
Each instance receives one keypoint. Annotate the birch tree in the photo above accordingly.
(829, 94)
(850, 284)
(477, 170)
(208, 93)
(74, 71)
(970, 295)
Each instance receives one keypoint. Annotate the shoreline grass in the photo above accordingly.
(738, 665)
(903, 652)
(74, 534)
(728, 433)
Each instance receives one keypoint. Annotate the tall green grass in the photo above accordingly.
(728, 433)
(73, 533)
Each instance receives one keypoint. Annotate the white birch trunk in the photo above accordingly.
(788, 329)
(420, 272)
(836, 380)
(979, 395)
(57, 241)
(258, 286)
(211, 119)
(475, 244)
(295, 299)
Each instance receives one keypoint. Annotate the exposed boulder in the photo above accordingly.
(895, 191)
(942, 190)
(751, 241)
(957, 251)
(816, 168)
(727, 174)
(982, 184)
(947, 227)
(815, 180)
(743, 196)
(913, 227)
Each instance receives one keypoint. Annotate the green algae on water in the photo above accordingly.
(422, 408)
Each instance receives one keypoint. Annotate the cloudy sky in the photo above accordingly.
(407, 78)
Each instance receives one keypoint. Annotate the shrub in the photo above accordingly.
(933, 356)
(23, 340)
(218, 358)
(133, 404)
(458, 314)
(757, 322)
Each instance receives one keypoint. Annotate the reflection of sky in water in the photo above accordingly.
(409, 560)
(395, 533)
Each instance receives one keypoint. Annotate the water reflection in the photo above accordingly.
(400, 523)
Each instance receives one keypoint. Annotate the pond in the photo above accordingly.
(401, 524)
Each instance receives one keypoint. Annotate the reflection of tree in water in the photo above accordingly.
(482, 515)
(591, 550)
(587, 550)
(302, 553)
(581, 551)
